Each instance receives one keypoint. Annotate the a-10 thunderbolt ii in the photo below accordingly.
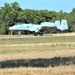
(37, 27)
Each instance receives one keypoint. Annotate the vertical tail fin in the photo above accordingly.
(62, 26)
(57, 24)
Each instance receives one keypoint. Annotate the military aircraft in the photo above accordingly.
(37, 27)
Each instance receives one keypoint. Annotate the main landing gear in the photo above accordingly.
(38, 33)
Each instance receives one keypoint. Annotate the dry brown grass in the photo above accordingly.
(36, 51)
(61, 70)
(37, 54)
(33, 51)
(45, 35)
(65, 34)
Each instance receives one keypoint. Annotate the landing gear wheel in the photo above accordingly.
(41, 34)
(35, 34)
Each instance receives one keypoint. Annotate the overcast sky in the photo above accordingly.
(53, 5)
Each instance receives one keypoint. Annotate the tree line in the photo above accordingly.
(12, 13)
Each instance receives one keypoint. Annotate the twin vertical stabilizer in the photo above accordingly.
(61, 25)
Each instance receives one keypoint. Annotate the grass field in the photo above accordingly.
(29, 55)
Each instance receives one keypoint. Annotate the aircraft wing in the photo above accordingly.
(35, 28)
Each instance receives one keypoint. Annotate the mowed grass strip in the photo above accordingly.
(35, 40)
(36, 51)
(36, 45)
(22, 48)
(36, 54)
